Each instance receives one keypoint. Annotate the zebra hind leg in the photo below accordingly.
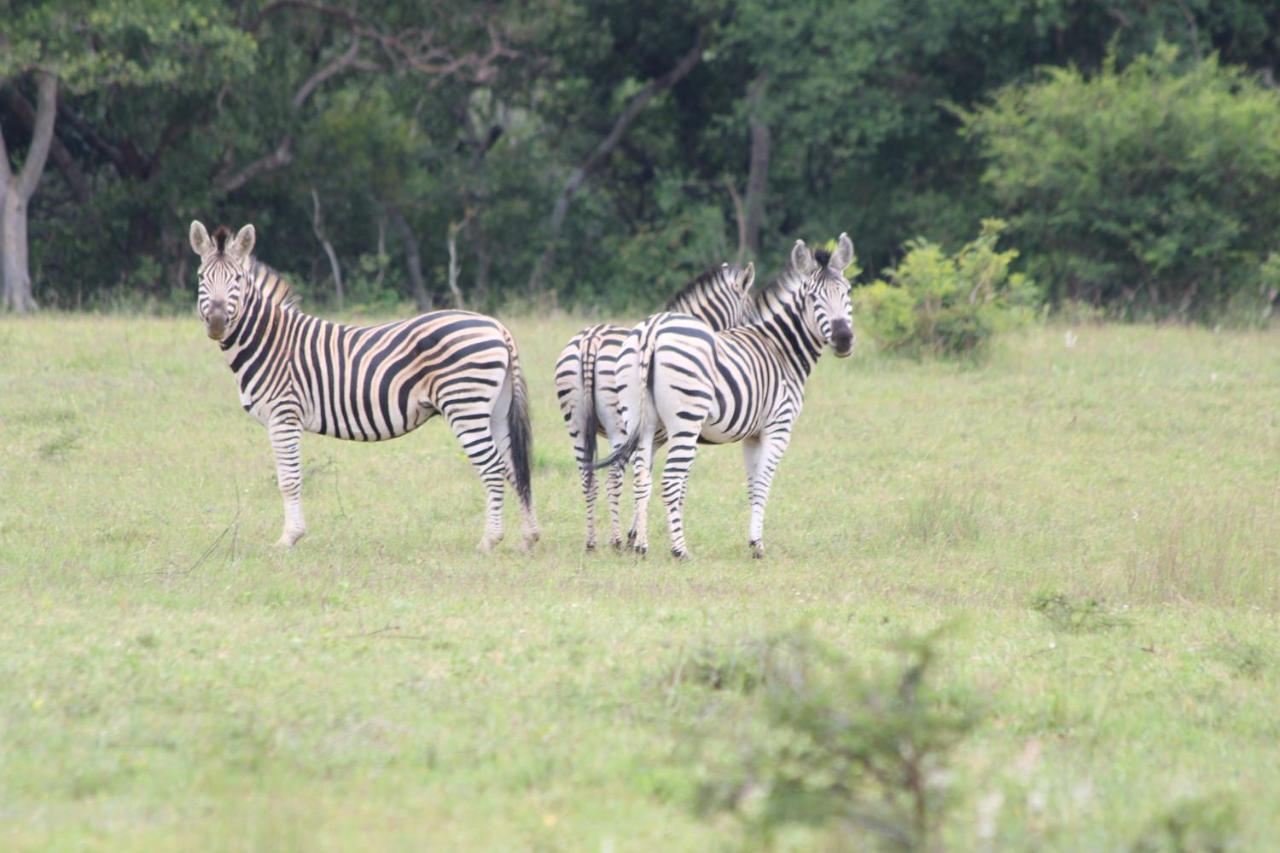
(675, 485)
(642, 485)
(474, 431)
(613, 494)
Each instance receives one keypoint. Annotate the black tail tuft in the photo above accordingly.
(591, 423)
(623, 454)
(521, 435)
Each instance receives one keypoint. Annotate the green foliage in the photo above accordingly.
(1074, 616)
(946, 305)
(862, 755)
(1194, 825)
(1153, 188)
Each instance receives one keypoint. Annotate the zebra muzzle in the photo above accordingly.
(215, 325)
(842, 339)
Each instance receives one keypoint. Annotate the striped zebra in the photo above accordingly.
(586, 386)
(364, 383)
(742, 384)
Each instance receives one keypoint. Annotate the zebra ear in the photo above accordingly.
(199, 237)
(843, 255)
(802, 259)
(242, 246)
(747, 277)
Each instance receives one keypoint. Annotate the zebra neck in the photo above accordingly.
(256, 345)
(781, 322)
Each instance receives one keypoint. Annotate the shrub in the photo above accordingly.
(1153, 189)
(835, 748)
(946, 305)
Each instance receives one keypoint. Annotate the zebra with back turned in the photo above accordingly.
(586, 386)
(742, 384)
(364, 383)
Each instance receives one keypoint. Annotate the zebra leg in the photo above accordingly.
(762, 455)
(613, 493)
(681, 450)
(589, 491)
(472, 427)
(642, 485)
(286, 443)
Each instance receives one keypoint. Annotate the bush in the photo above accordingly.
(946, 305)
(1152, 189)
(832, 747)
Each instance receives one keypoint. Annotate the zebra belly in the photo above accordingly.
(360, 429)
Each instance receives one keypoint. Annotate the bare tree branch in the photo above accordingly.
(58, 153)
(758, 170)
(620, 127)
(41, 134)
(317, 225)
(456, 228)
(739, 215)
(281, 156)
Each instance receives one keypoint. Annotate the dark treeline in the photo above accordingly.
(561, 151)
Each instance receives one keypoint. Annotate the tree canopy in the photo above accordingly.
(587, 151)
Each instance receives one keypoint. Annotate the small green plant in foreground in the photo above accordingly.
(1196, 825)
(1074, 616)
(947, 305)
(832, 747)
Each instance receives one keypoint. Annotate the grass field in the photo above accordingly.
(170, 680)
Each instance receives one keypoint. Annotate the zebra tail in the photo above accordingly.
(644, 380)
(590, 422)
(519, 427)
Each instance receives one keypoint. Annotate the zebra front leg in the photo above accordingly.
(286, 443)
(675, 485)
(762, 455)
(473, 431)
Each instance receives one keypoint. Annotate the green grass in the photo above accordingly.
(169, 680)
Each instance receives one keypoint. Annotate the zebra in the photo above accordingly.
(742, 384)
(586, 386)
(301, 373)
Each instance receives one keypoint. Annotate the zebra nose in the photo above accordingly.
(842, 337)
(216, 321)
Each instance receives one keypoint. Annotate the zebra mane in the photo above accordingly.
(272, 286)
(706, 279)
(220, 237)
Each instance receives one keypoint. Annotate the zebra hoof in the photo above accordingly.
(757, 549)
(591, 548)
(640, 550)
(486, 544)
(616, 545)
(289, 538)
(682, 556)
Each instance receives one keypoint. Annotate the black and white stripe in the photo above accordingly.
(301, 373)
(745, 384)
(586, 386)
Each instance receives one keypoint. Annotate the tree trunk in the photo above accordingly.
(17, 192)
(758, 176)
(13, 248)
(413, 260)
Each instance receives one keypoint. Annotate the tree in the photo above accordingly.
(16, 190)
(1152, 188)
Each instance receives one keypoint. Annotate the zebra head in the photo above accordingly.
(828, 309)
(223, 263)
